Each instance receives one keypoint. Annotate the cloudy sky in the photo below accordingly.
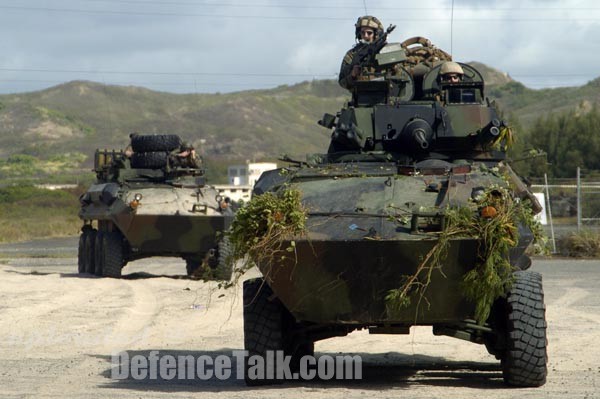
(228, 45)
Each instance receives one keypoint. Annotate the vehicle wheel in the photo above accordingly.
(149, 160)
(113, 254)
(263, 325)
(155, 142)
(98, 253)
(524, 360)
(191, 265)
(224, 268)
(89, 246)
(304, 348)
(81, 264)
(268, 326)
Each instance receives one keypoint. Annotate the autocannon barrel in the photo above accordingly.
(490, 132)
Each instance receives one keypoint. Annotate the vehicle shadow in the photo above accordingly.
(379, 371)
(131, 276)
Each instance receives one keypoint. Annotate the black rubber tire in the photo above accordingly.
(269, 326)
(112, 254)
(224, 268)
(81, 265)
(190, 266)
(263, 325)
(303, 348)
(525, 358)
(98, 254)
(155, 142)
(149, 160)
(90, 243)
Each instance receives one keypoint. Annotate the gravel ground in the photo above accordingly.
(60, 330)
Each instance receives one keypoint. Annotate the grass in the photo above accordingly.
(27, 212)
(583, 244)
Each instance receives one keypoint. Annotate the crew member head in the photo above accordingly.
(367, 29)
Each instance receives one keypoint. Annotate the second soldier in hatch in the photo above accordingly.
(451, 72)
(367, 30)
(185, 157)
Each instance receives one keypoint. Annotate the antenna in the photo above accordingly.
(365, 5)
(452, 28)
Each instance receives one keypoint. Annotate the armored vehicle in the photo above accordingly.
(149, 201)
(406, 152)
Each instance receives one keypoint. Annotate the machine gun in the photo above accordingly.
(366, 54)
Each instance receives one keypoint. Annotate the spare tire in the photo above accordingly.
(149, 160)
(154, 142)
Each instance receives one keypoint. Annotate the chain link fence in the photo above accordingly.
(570, 205)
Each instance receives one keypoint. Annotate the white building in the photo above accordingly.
(248, 174)
(242, 179)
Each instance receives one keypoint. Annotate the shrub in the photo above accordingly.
(585, 243)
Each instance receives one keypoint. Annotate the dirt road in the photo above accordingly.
(59, 331)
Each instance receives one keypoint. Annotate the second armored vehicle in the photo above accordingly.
(147, 202)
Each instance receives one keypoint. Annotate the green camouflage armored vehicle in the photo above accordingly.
(149, 200)
(410, 221)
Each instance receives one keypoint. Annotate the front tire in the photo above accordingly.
(81, 261)
(269, 326)
(525, 358)
(89, 247)
(113, 254)
(263, 325)
(99, 253)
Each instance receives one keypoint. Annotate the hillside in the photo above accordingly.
(79, 116)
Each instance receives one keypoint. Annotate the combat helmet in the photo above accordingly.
(451, 67)
(185, 146)
(368, 21)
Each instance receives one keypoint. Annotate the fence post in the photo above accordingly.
(578, 199)
(549, 213)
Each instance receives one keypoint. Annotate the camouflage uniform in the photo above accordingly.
(346, 80)
(191, 160)
(345, 76)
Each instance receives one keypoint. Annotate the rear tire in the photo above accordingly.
(191, 265)
(224, 268)
(525, 358)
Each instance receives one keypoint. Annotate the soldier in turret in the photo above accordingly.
(367, 30)
(451, 72)
(185, 157)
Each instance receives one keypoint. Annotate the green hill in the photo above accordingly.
(77, 117)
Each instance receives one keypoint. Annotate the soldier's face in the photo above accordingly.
(367, 34)
(451, 77)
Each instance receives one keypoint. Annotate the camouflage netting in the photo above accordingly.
(261, 226)
(493, 219)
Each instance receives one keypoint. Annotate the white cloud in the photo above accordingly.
(266, 43)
